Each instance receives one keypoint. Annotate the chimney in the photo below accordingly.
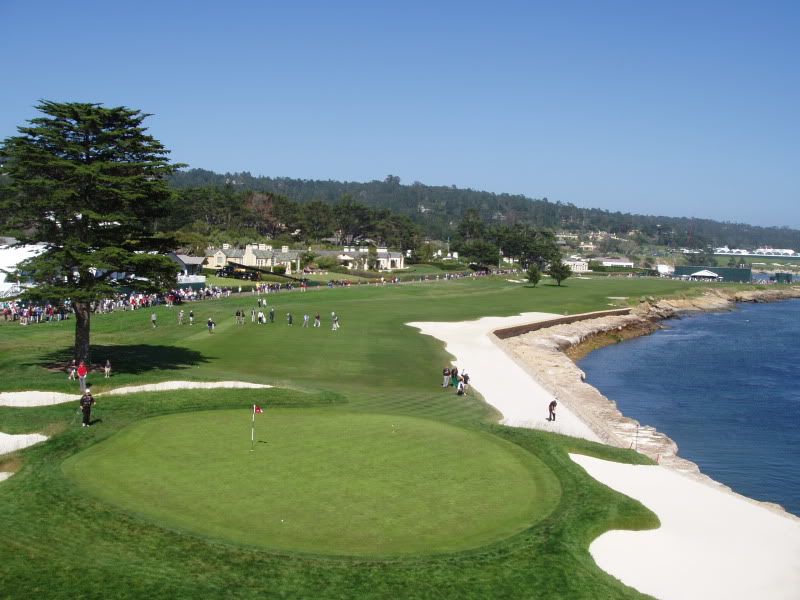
(262, 246)
(226, 246)
(382, 250)
(284, 249)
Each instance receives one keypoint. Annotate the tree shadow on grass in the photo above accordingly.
(133, 359)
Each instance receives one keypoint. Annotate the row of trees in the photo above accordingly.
(211, 215)
(438, 209)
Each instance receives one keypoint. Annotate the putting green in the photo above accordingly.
(321, 481)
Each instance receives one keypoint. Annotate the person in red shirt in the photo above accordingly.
(83, 371)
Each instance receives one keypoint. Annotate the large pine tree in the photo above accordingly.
(89, 183)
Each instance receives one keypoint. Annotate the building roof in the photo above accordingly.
(190, 260)
(284, 256)
(704, 273)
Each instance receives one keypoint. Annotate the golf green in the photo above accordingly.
(321, 481)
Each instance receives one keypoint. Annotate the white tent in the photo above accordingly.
(705, 274)
(10, 257)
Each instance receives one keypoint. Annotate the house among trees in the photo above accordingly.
(352, 257)
(261, 256)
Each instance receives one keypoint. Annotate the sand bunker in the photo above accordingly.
(711, 543)
(502, 381)
(35, 398)
(184, 385)
(25, 399)
(10, 443)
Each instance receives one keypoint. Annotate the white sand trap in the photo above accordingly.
(165, 386)
(711, 543)
(10, 443)
(20, 399)
(4, 476)
(26, 399)
(502, 382)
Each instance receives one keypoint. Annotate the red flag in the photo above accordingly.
(257, 408)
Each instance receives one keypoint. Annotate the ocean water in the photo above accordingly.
(725, 387)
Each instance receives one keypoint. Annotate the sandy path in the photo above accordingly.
(25, 399)
(502, 382)
(711, 543)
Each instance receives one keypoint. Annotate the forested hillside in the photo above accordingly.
(439, 209)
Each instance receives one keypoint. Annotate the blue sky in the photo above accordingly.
(674, 108)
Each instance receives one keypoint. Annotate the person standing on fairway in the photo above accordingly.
(153, 318)
(317, 321)
(191, 317)
(289, 318)
(211, 325)
(72, 370)
(107, 369)
(83, 371)
(305, 320)
(335, 319)
(272, 315)
(445, 377)
(86, 407)
(180, 317)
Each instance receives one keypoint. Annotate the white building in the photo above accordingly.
(665, 270)
(10, 256)
(358, 257)
(577, 266)
(615, 262)
(261, 256)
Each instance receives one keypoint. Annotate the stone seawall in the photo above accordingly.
(547, 353)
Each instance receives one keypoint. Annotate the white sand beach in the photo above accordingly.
(712, 543)
(501, 381)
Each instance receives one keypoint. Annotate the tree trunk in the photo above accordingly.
(83, 315)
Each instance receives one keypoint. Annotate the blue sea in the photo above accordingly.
(725, 387)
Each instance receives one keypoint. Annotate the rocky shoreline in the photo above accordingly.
(548, 354)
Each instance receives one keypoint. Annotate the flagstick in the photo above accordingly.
(253, 430)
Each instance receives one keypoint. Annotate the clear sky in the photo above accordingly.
(674, 108)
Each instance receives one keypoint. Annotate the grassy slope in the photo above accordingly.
(373, 364)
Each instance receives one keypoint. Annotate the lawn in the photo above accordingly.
(74, 523)
(322, 482)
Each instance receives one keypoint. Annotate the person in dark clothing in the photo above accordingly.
(552, 409)
(86, 407)
(272, 315)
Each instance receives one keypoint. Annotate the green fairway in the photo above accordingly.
(504, 512)
(319, 482)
